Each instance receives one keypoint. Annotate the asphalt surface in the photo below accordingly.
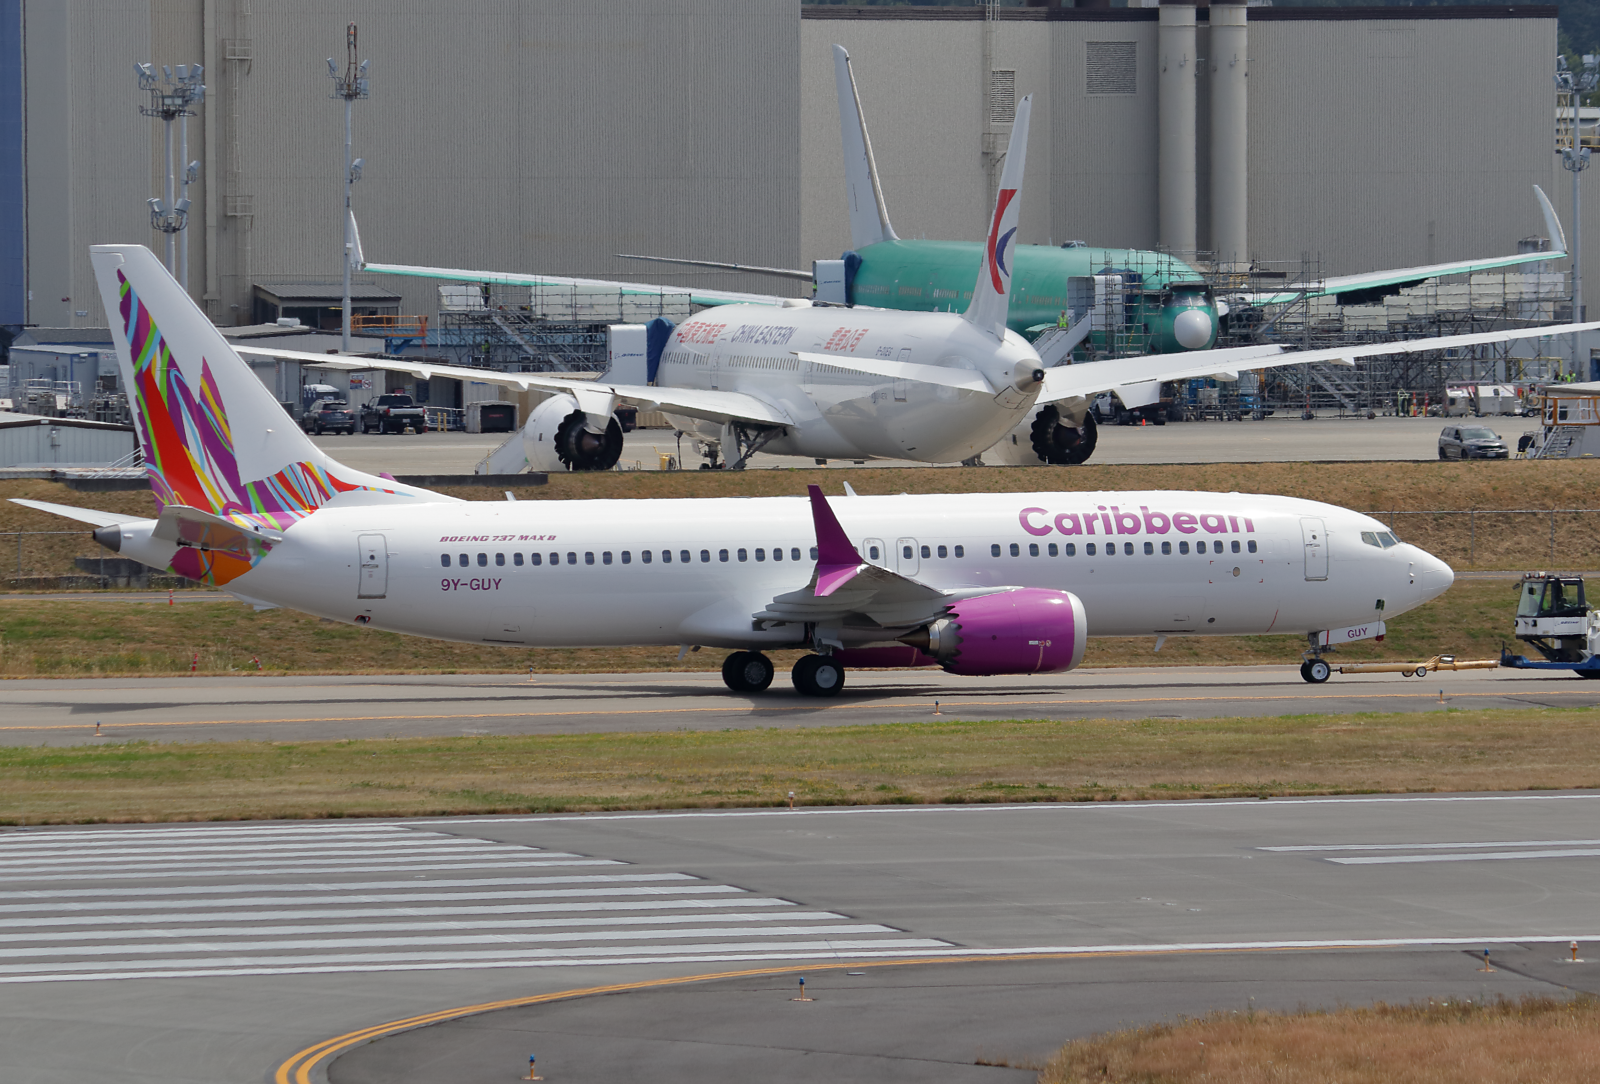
(1275, 439)
(220, 953)
(66, 711)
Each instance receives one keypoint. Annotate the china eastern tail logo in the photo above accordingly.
(998, 241)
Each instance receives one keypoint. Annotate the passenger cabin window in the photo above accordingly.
(1052, 549)
(722, 555)
(994, 550)
(555, 558)
(794, 553)
(705, 557)
(1150, 547)
(813, 553)
(1033, 549)
(905, 551)
(1088, 549)
(1235, 545)
(744, 555)
(605, 557)
(683, 556)
(500, 559)
(872, 553)
(1251, 545)
(644, 555)
(444, 559)
(761, 554)
(1071, 549)
(516, 559)
(777, 553)
(960, 552)
(666, 557)
(1166, 547)
(461, 559)
(942, 553)
(483, 560)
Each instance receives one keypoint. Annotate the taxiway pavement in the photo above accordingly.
(299, 708)
(1276, 439)
(220, 953)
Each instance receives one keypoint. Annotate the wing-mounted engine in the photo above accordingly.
(1027, 631)
(559, 436)
(1048, 434)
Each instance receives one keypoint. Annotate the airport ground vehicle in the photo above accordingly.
(329, 416)
(393, 414)
(1554, 616)
(1471, 442)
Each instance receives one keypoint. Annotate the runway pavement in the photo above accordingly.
(235, 953)
(298, 708)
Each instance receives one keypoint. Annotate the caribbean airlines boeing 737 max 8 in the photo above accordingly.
(977, 583)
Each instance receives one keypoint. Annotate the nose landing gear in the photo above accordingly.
(1316, 670)
(747, 672)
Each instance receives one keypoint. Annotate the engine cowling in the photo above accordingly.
(1056, 440)
(557, 438)
(1027, 631)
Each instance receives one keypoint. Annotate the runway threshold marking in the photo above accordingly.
(298, 1068)
(921, 704)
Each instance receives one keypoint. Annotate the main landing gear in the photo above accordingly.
(1316, 670)
(813, 675)
(747, 672)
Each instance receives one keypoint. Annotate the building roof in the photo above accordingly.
(15, 421)
(323, 293)
(66, 336)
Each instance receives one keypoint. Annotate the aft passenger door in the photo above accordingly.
(1314, 536)
(374, 560)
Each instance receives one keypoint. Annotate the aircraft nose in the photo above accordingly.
(1434, 577)
(1192, 328)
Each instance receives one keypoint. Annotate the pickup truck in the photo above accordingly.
(393, 414)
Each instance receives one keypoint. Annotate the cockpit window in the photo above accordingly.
(1388, 539)
(1371, 538)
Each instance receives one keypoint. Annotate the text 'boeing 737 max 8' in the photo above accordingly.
(979, 584)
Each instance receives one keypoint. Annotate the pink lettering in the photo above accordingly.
(1069, 517)
(1184, 522)
(1030, 528)
(1233, 524)
(1213, 523)
(1127, 522)
(1250, 528)
(1156, 522)
(1105, 518)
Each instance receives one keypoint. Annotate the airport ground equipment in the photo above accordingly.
(1554, 616)
(1419, 669)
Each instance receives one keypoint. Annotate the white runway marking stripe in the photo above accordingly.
(316, 855)
(512, 958)
(1475, 856)
(274, 870)
(403, 927)
(207, 831)
(392, 912)
(463, 939)
(104, 912)
(1438, 846)
(346, 886)
(57, 855)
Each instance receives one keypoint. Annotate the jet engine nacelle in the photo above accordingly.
(1047, 435)
(1027, 631)
(557, 438)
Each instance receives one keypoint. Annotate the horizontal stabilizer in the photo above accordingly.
(204, 531)
(83, 515)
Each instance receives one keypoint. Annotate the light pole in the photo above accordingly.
(1575, 159)
(170, 99)
(350, 86)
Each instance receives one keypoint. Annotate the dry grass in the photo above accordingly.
(44, 639)
(1502, 542)
(1535, 1040)
(926, 761)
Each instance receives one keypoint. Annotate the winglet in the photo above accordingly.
(1552, 224)
(869, 218)
(991, 298)
(837, 559)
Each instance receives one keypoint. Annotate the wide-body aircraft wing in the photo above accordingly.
(1371, 286)
(595, 397)
(697, 296)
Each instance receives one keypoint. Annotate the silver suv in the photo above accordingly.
(1471, 442)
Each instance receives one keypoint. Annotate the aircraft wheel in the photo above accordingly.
(817, 675)
(1317, 671)
(747, 672)
(1421, 671)
(1305, 674)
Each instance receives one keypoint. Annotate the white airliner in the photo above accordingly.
(978, 584)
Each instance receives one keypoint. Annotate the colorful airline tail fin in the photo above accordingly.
(869, 219)
(214, 438)
(991, 298)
